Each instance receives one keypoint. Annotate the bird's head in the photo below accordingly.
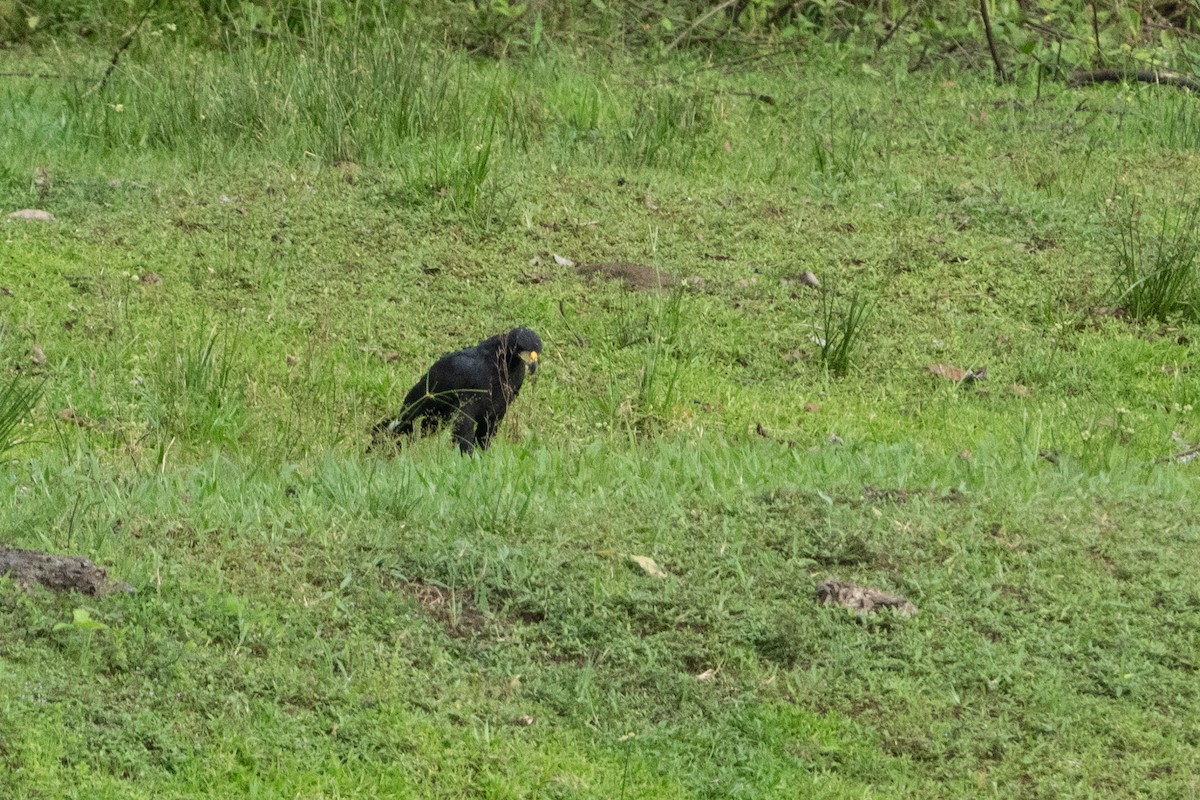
(526, 345)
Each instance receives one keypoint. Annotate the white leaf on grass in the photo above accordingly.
(32, 215)
(649, 566)
(563, 262)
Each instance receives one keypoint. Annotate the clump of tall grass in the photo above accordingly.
(841, 324)
(17, 400)
(354, 94)
(193, 393)
(659, 333)
(1156, 275)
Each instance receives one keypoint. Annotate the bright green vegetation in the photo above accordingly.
(258, 249)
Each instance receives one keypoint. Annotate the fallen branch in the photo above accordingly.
(1085, 77)
(112, 65)
(698, 22)
(57, 573)
(1183, 457)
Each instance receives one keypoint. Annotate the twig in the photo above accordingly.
(879, 45)
(991, 42)
(700, 20)
(1096, 33)
(112, 65)
(46, 75)
(920, 59)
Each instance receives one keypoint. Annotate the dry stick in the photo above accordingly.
(780, 13)
(112, 65)
(698, 22)
(987, 30)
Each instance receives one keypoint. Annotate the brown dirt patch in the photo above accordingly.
(455, 609)
(635, 276)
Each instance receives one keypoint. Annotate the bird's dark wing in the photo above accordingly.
(440, 392)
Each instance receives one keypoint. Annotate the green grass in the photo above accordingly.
(314, 620)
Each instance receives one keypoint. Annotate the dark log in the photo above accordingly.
(1087, 76)
(57, 573)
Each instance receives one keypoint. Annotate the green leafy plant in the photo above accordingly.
(81, 620)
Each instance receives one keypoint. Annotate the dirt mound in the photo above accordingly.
(635, 276)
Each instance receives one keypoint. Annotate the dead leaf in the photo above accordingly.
(796, 355)
(862, 599)
(728, 146)
(1020, 391)
(563, 262)
(812, 408)
(809, 279)
(292, 361)
(648, 566)
(69, 416)
(707, 675)
(650, 204)
(387, 355)
(952, 373)
(151, 277)
(947, 372)
(524, 719)
(966, 455)
(39, 357)
(32, 215)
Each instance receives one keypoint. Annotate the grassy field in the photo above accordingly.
(258, 249)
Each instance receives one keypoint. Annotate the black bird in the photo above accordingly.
(473, 387)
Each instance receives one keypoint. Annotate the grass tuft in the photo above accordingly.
(842, 323)
(17, 400)
(1156, 271)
